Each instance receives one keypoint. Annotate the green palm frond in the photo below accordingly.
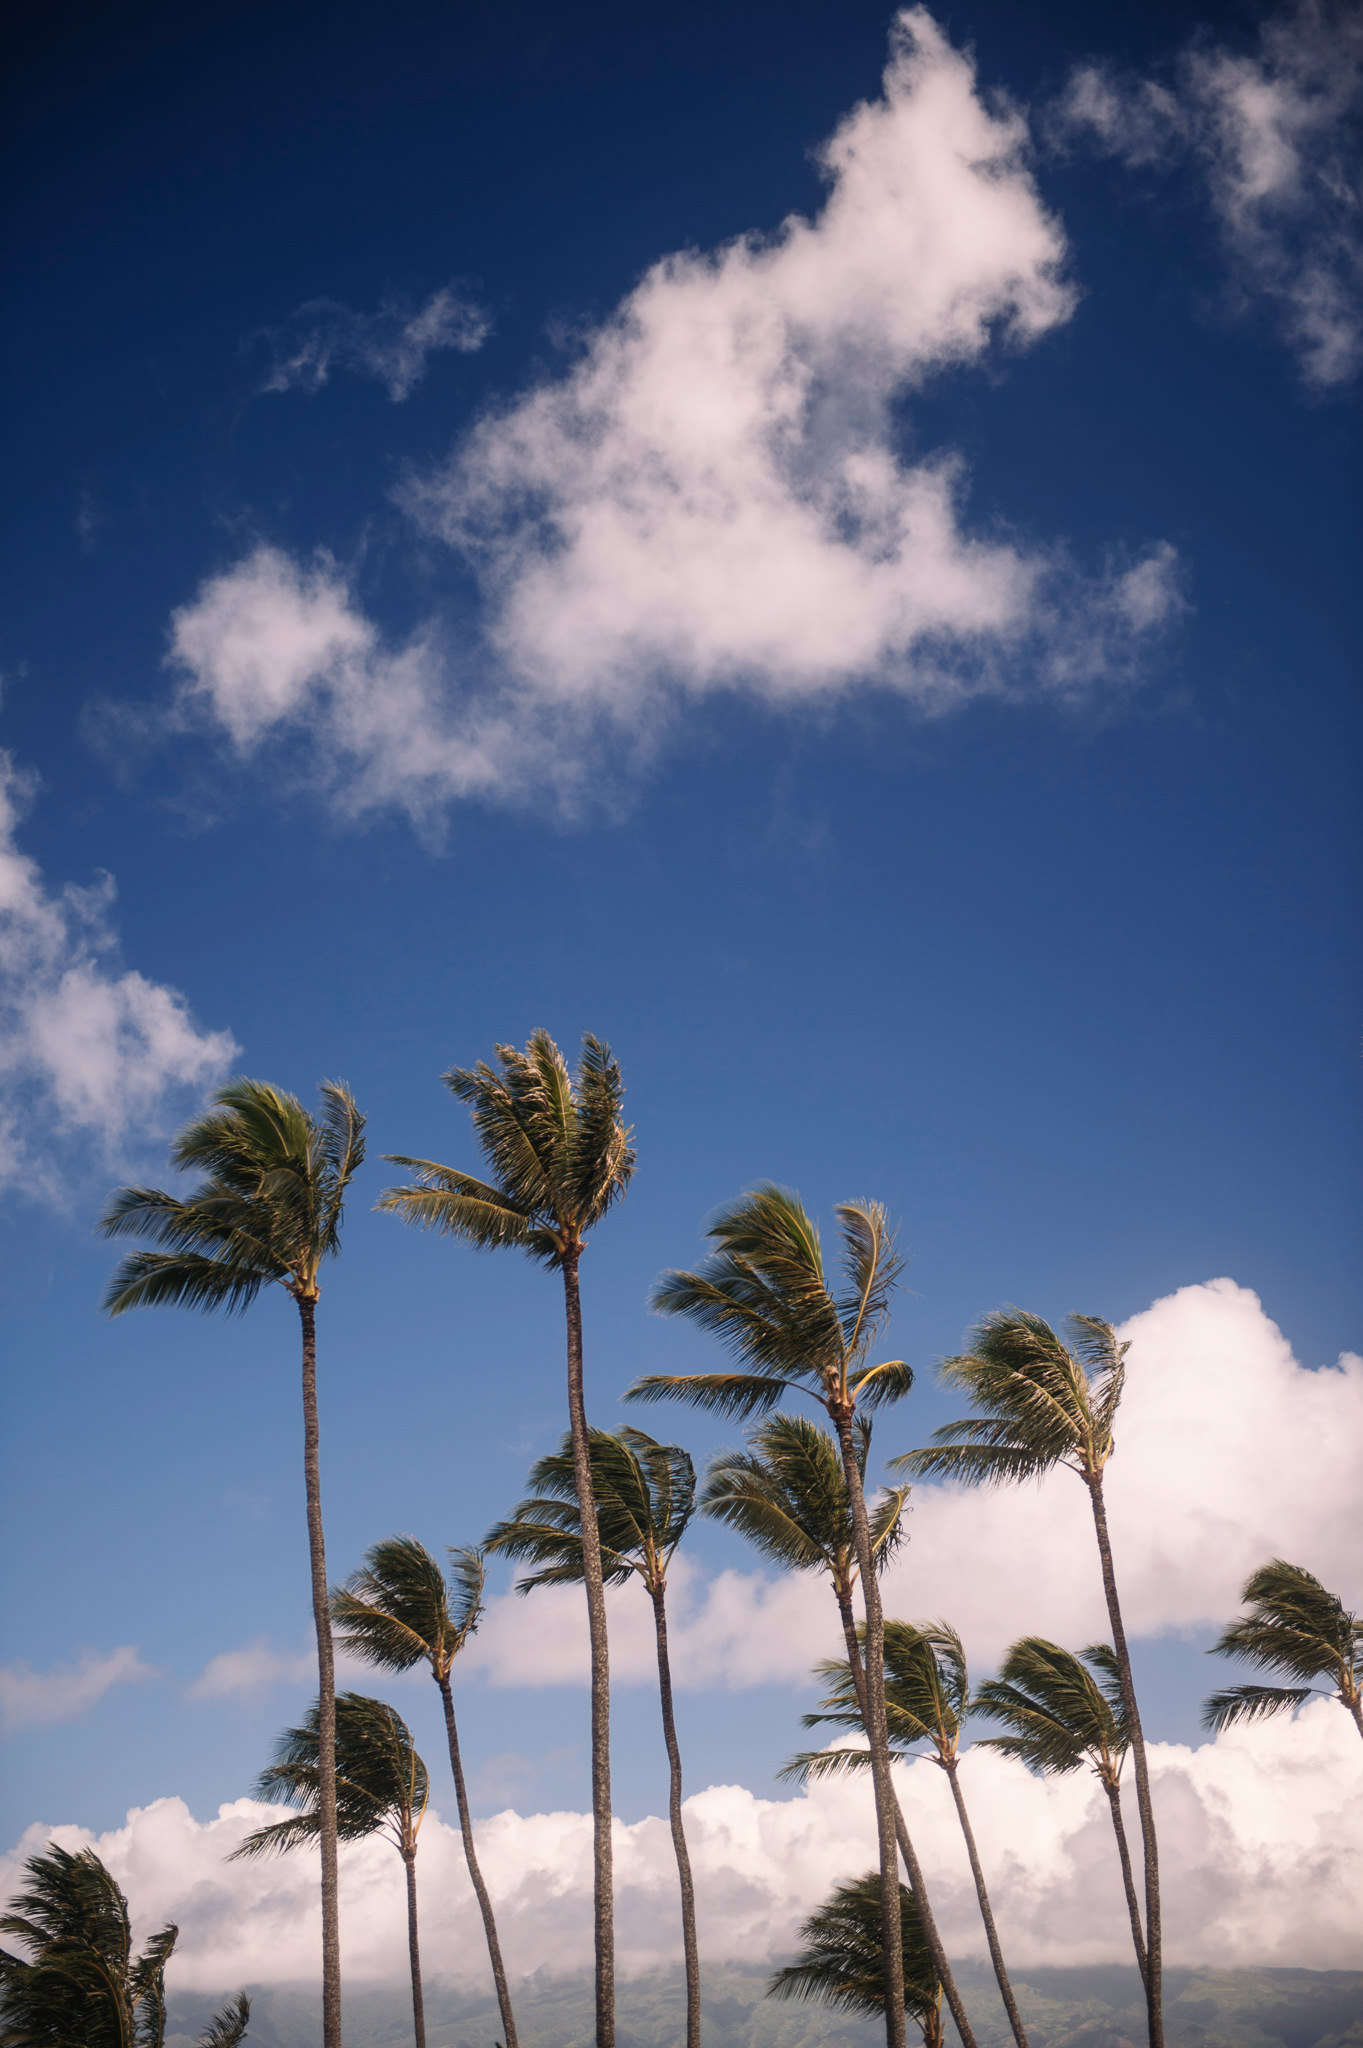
(229, 2026)
(810, 1766)
(645, 1497)
(875, 1386)
(872, 1267)
(926, 1688)
(1253, 1703)
(600, 1157)
(737, 1394)
(398, 1608)
(381, 1782)
(788, 1495)
(1294, 1625)
(842, 1963)
(1058, 1715)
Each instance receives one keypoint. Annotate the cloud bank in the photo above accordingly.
(1274, 135)
(1261, 1838)
(31, 1698)
(715, 496)
(392, 346)
(1229, 1452)
(90, 1054)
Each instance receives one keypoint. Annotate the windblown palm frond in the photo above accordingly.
(230, 2025)
(841, 1962)
(1058, 1713)
(1295, 1625)
(398, 1608)
(1043, 1403)
(381, 1782)
(788, 1495)
(559, 1153)
(645, 1494)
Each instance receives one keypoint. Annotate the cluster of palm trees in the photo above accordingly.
(613, 1507)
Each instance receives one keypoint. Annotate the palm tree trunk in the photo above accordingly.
(1114, 1800)
(604, 1915)
(1154, 1947)
(877, 1736)
(690, 1950)
(414, 1950)
(326, 1690)
(494, 1947)
(991, 1933)
(914, 1870)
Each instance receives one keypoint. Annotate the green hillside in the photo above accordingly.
(1086, 2008)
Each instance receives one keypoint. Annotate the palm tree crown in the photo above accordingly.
(1295, 1626)
(268, 1208)
(645, 1498)
(927, 1688)
(788, 1495)
(558, 1150)
(764, 1293)
(81, 1981)
(842, 1962)
(1061, 1710)
(382, 1785)
(398, 1609)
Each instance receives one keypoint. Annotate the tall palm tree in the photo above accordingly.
(843, 1959)
(645, 1497)
(763, 1292)
(81, 1982)
(927, 1699)
(1295, 1626)
(382, 1787)
(560, 1157)
(268, 1208)
(1062, 1712)
(396, 1611)
(1044, 1405)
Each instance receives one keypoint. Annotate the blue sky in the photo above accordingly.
(1026, 905)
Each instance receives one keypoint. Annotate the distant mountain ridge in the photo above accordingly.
(1099, 2007)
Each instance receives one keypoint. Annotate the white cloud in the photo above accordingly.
(1262, 1862)
(257, 1666)
(88, 1051)
(714, 497)
(1274, 134)
(33, 1698)
(393, 345)
(1229, 1452)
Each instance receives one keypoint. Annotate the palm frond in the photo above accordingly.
(1057, 1714)
(468, 1580)
(395, 1611)
(601, 1159)
(181, 1280)
(1294, 1625)
(842, 1961)
(229, 2026)
(811, 1766)
(1253, 1703)
(739, 1394)
(788, 1495)
(872, 1267)
(875, 1386)
(456, 1205)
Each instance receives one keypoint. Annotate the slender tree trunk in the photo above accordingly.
(690, 1950)
(494, 1947)
(414, 1950)
(1154, 1946)
(604, 1927)
(1133, 1906)
(991, 1933)
(326, 1690)
(1355, 1706)
(877, 1735)
(931, 1933)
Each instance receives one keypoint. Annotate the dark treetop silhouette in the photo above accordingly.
(1295, 1626)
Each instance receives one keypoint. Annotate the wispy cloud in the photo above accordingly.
(392, 346)
(91, 1054)
(1261, 1841)
(715, 497)
(258, 1666)
(1273, 133)
(31, 1698)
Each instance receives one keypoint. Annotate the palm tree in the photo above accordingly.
(764, 1293)
(645, 1497)
(1046, 1405)
(560, 1158)
(395, 1611)
(1295, 1626)
(1060, 1713)
(81, 1982)
(843, 1960)
(927, 1698)
(382, 1787)
(268, 1208)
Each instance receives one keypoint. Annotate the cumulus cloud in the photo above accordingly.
(1274, 133)
(89, 1052)
(258, 1665)
(1262, 1863)
(393, 346)
(1229, 1452)
(715, 496)
(31, 1698)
